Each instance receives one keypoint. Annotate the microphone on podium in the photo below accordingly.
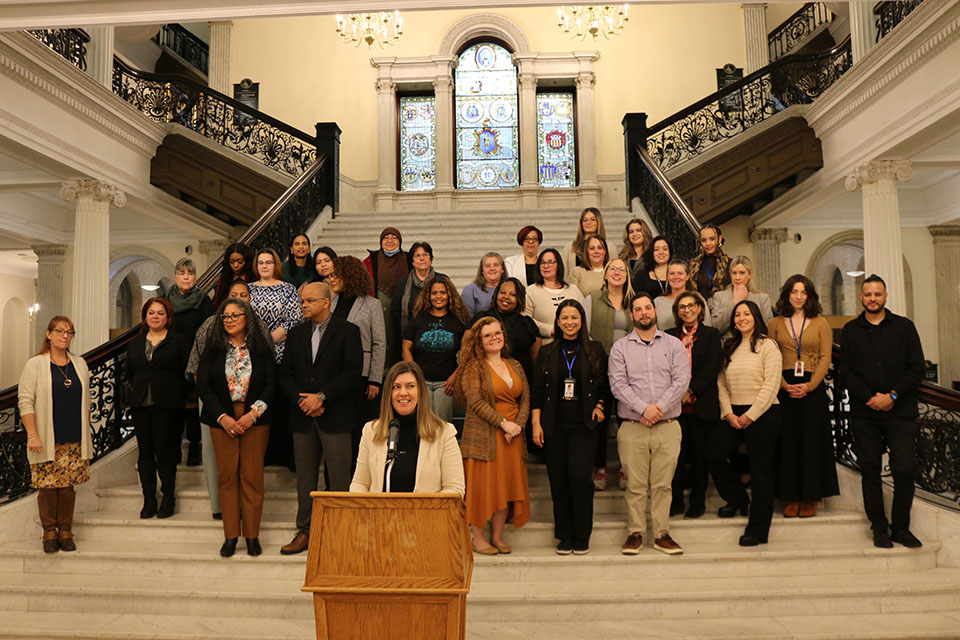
(393, 439)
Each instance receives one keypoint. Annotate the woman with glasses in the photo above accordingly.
(237, 379)
(678, 281)
(550, 290)
(54, 397)
(523, 266)
(156, 363)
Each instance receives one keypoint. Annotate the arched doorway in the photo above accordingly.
(15, 349)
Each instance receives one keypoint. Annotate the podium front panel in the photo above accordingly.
(389, 617)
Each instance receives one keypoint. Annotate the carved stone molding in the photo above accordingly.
(945, 233)
(527, 80)
(49, 253)
(872, 172)
(483, 24)
(213, 249)
(586, 80)
(443, 83)
(386, 86)
(70, 190)
(769, 235)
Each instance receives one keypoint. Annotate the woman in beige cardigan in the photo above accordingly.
(54, 401)
(428, 457)
(497, 398)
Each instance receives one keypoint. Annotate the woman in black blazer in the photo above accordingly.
(700, 405)
(569, 398)
(236, 378)
(156, 361)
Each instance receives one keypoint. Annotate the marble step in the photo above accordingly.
(700, 559)
(867, 626)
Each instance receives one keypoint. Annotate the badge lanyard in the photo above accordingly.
(798, 368)
(569, 382)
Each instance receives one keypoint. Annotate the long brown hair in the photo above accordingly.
(580, 240)
(429, 425)
(759, 331)
(811, 308)
(54, 321)
(627, 252)
(472, 356)
(454, 301)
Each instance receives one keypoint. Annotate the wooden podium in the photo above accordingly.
(389, 566)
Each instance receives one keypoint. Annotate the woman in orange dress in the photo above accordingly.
(497, 398)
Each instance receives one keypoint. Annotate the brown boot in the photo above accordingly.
(808, 509)
(66, 501)
(791, 509)
(47, 504)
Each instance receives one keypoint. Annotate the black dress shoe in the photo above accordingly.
(749, 540)
(729, 510)
(229, 547)
(253, 546)
(676, 508)
(694, 512)
(193, 454)
(882, 540)
(167, 505)
(149, 507)
(218, 516)
(904, 537)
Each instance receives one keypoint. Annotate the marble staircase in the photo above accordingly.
(817, 578)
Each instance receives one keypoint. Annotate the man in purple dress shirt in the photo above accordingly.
(649, 372)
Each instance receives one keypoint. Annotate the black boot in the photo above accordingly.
(149, 506)
(167, 505)
(193, 454)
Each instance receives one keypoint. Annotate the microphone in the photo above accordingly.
(393, 439)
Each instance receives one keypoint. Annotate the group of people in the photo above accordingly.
(325, 359)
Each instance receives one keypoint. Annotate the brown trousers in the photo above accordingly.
(240, 477)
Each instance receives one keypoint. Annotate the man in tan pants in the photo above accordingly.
(649, 373)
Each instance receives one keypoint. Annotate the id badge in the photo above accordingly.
(568, 386)
(798, 369)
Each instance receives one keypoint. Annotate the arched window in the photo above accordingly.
(486, 108)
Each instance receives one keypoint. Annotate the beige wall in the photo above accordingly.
(664, 61)
(16, 341)
(777, 12)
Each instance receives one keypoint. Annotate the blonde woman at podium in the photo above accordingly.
(408, 449)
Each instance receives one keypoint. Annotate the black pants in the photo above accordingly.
(280, 447)
(692, 465)
(761, 440)
(158, 441)
(568, 451)
(899, 435)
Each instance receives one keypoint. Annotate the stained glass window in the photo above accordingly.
(418, 143)
(486, 112)
(556, 155)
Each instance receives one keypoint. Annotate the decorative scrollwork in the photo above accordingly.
(185, 44)
(171, 98)
(298, 214)
(71, 44)
(661, 210)
(890, 14)
(797, 27)
(745, 103)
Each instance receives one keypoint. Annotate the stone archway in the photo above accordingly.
(483, 25)
(137, 266)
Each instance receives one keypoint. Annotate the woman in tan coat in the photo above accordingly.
(497, 398)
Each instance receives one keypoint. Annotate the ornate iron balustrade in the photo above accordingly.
(71, 44)
(667, 209)
(797, 27)
(791, 80)
(890, 14)
(181, 100)
(938, 436)
(185, 44)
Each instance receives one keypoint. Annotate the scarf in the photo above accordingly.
(390, 270)
(408, 293)
(184, 301)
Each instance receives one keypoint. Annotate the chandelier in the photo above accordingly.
(578, 21)
(382, 27)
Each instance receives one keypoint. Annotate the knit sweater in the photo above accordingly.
(542, 306)
(751, 379)
(816, 346)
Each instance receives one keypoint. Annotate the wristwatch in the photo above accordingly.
(893, 394)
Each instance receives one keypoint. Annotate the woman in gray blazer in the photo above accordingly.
(740, 288)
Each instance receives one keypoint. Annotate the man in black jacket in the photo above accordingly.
(319, 375)
(881, 365)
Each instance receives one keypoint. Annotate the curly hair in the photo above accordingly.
(256, 339)
(811, 308)
(472, 356)
(454, 301)
(355, 277)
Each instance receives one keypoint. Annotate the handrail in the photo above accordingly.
(185, 44)
(890, 14)
(803, 22)
(681, 207)
(70, 44)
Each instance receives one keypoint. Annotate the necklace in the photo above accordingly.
(65, 372)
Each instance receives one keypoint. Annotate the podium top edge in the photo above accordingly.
(388, 496)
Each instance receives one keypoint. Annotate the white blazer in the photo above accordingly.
(439, 464)
(517, 268)
(35, 395)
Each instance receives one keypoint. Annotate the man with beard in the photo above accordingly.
(649, 372)
(881, 364)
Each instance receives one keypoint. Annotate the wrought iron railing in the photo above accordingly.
(109, 410)
(938, 436)
(666, 208)
(797, 27)
(71, 44)
(185, 44)
(182, 100)
(791, 80)
(890, 14)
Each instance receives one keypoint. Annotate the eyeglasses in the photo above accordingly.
(548, 262)
(65, 332)
(232, 317)
(687, 307)
(617, 270)
(533, 238)
(495, 334)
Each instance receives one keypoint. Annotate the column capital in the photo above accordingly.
(49, 253)
(753, 5)
(768, 234)
(386, 85)
(442, 83)
(945, 233)
(213, 248)
(586, 80)
(872, 172)
(70, 190)
(527, 80)
(221, 23)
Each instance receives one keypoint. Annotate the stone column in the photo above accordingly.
(446, 157)
(767, 269)
(587, 139)
(529, 161)
(90, 306)
(882, 250)
(755, 35)
(100, 55)
(387, 144)
(946, 260)
(218, 67)
(863, 28)
(49, 284)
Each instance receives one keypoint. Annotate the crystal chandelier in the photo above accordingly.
(383, 28)
(578, 21)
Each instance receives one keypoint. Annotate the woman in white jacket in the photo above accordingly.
(523, 266)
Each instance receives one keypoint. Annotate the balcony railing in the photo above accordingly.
(185, 44)
(71, 44)
(797, 27)
(890, 14)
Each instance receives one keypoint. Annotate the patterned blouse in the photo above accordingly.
(277, 305)
(238, 368)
